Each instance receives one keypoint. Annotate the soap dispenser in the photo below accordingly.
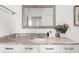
(50, 34)
(47, 34)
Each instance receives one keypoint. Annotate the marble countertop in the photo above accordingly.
(38, 41)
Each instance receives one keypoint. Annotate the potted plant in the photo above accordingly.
(61, 29)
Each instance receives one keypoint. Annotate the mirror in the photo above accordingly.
(38, 16)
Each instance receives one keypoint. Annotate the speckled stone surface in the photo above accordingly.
(38, 41)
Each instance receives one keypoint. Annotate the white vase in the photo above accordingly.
(57, 34)
(63, 35)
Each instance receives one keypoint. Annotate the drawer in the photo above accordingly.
(50, 48)
(70, 48)
(9, 48)
(31, 48)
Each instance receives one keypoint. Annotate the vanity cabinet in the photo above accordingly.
(39, 48)
(59, 48)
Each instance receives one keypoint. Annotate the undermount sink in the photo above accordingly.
(42, 40)
(39, 40)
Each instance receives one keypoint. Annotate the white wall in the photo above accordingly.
(6, 22)
(64, 14)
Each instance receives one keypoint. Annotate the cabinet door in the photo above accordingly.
(31, 48)
(70, 48)
(9, 48)
(50, 48)
(12, 48)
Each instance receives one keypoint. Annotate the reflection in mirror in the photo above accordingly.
(38, 16)
(34, 21)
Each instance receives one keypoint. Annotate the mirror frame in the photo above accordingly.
(39, 6)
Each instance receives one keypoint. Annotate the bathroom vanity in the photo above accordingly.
(38, 45)
(34, 17)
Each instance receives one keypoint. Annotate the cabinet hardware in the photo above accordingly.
(68, 48)
(49, 48)
(28, 48)
(9, 48)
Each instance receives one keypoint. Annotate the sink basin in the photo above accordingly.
(39, 40)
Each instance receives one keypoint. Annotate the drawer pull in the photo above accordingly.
(68, 48)
(49, 48)
(9, 48)
(28, 48)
